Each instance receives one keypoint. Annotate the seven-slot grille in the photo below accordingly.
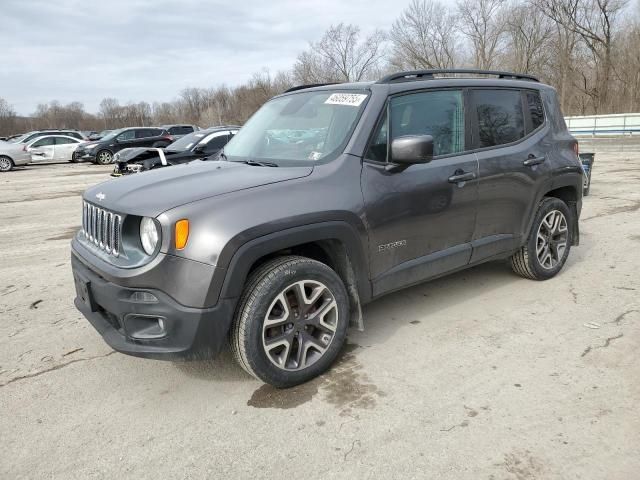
(102, 228)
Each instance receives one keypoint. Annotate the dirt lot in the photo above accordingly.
(481, 375)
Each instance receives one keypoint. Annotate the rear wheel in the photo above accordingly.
(104, 157)
(549, 242)
(6, 164)
(291, 321)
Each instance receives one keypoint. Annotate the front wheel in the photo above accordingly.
(291, 321)
(104, 157)
(549, 242)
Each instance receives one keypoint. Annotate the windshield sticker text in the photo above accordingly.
(350, 99)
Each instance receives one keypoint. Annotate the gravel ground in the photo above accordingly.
(478, 375)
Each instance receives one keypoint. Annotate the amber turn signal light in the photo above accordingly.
(182, 233)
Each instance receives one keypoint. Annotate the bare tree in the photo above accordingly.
(425, 36)
(483, 22)
(340, 56)
(594, 21)
(7, 118)
(529, 36)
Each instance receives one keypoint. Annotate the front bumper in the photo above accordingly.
(84, 156)
(131, 322)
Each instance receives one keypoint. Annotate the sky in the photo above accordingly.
(149, 50)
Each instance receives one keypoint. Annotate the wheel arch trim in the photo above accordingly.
(252, 251)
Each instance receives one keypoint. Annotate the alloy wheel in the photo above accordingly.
(300, 324)
(5, 164)
(551, 241)
(104, 158)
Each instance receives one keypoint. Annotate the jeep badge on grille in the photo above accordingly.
(100, 196)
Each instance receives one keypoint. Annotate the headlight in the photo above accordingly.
(90, 147)
(149, 235)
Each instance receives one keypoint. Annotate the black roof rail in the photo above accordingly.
(429, 74)
(311, 85)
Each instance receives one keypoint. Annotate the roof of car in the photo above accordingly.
(425, 79)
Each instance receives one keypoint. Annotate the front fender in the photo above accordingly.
(245, 256)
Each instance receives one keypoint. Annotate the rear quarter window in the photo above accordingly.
(535, 108)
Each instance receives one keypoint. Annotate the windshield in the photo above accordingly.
(304, 127)
(19, 139)
(186, 142)
(112, 134)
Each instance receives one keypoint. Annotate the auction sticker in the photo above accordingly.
(350, 99)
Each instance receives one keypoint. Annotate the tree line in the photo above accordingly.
(589, 50)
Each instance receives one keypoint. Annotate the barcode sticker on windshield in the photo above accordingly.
(351, 99)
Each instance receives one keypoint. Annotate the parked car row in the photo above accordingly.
(196, 145)
(100, 147)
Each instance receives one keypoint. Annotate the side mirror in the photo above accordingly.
(411, 149)
(199, 149)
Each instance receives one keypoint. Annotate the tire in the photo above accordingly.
(299, 350)
(6, 164)
(544, 255)
(585, 190)
(104, 157)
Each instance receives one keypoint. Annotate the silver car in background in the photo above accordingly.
(53, 148)
(11, 155)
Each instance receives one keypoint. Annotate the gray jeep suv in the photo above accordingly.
(329, 197)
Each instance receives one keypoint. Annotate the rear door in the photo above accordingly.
(421, 218)
(512, 145)
(42, 150)
(147, 137)
(64, 148)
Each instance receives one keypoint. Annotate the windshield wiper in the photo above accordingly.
(259, 164)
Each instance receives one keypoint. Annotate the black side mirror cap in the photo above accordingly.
(411, 149)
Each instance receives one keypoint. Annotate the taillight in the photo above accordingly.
(576, 149)
(168, 137)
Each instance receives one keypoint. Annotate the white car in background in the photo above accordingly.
(53, 148)
(11, 155)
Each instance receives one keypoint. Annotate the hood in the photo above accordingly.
(156, 191)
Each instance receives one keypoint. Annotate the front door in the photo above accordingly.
(421, 218)
(42, 150)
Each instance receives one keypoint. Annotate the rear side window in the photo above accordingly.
(436, 113)
(184, 130)
(500, 118)
(536, 111)
(148, 132)
(64, 141)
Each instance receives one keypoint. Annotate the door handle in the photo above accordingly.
(533, 160)
(459, 176)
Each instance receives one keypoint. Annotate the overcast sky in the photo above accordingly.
(71, 50)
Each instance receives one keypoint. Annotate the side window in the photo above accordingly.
(185, 130)
(64, 141)
(500, 117)
(128, 135)
(536, 111)
(44, 142)
(216, 143)
(437, 113)
(175, 130)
